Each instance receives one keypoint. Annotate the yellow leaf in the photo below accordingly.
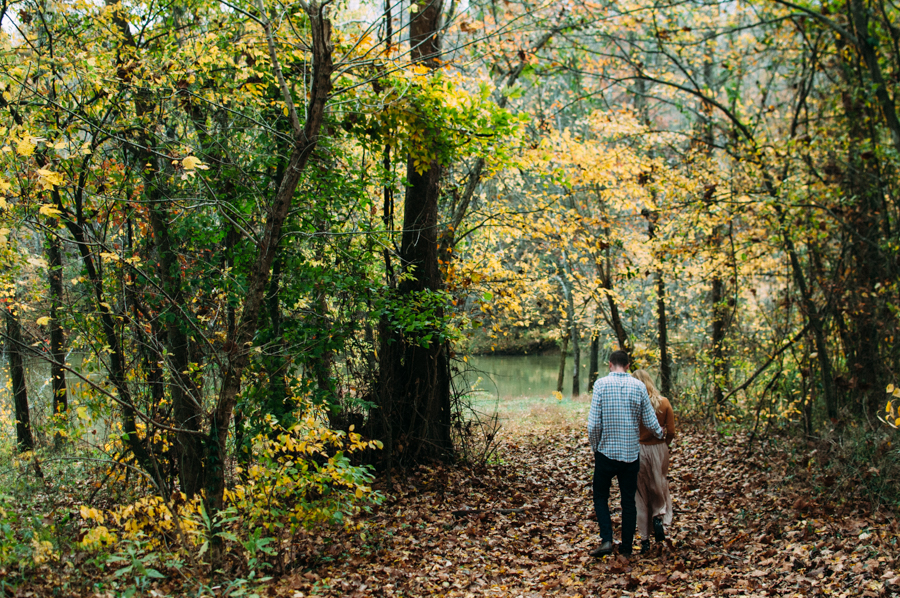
(897, 422)
(890, 388)
(192, 163)
(43, 321)
(49, 179)
(48, 210)
(25, 147)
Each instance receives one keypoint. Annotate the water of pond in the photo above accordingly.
(512, 376)
(495, 376)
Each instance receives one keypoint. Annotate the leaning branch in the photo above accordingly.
(763, 367)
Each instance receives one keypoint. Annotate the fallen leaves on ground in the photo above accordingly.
(741, 528)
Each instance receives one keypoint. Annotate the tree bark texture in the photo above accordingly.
(57, 335)
(14, 344)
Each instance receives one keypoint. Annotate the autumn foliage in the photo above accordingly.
(247, 248)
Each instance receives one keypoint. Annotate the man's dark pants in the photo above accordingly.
(605, 469)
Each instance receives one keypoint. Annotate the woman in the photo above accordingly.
(654, 504)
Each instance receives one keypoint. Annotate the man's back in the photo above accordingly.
(618, 405)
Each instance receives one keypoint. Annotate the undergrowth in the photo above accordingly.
(66, 521)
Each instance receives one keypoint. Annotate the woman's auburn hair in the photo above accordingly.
(655, 397)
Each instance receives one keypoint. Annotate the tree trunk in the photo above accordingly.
(665, 367)
(275, 361)
(57, 335)
(869, 371)
(414, 373)
(14, 344)
(561, 377)
(306, 140)
(717, 340)
(576, 347)
(812, 311)
(593, 362)
(604, 264)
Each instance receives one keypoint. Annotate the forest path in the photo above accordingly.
(740, 529)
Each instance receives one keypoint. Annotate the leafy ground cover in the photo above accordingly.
(746, 524)
(743, 527)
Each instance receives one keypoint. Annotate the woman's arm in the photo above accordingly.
(670, 423)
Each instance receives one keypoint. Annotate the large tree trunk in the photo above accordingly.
(14, 344)
(869, 371)
(414, 374)
(186, 401)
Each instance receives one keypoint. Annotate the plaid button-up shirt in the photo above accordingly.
(619, 402)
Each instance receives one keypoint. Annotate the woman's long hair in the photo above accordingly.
(655, 397)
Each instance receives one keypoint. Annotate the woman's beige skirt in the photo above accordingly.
(653, 498)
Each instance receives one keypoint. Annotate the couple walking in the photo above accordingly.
(630, 426)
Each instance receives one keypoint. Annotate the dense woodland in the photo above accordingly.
(252, 243)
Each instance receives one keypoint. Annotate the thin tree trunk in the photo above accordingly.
(604, 265)
(717, 340)
(561, 377)
(593, 362)
(665, 367)
(57, 335)
(812, 313)
(14, 344)
(305, 144)
(576, 347)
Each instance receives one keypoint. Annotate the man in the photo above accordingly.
(618, 404)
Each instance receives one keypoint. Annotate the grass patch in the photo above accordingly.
(530, 412)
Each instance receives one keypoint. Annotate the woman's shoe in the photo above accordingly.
(645, 546)
(658, 532)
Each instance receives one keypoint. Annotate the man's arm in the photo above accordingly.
(649, 417)
(595, 421)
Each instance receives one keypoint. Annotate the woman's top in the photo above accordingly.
(666, 417)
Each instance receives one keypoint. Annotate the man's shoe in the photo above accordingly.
(645, 546)
(604, 549)
(658, 531)
(626, 553)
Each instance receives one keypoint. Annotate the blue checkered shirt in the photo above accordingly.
(619, 402)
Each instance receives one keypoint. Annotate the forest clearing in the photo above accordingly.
(286, 283)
